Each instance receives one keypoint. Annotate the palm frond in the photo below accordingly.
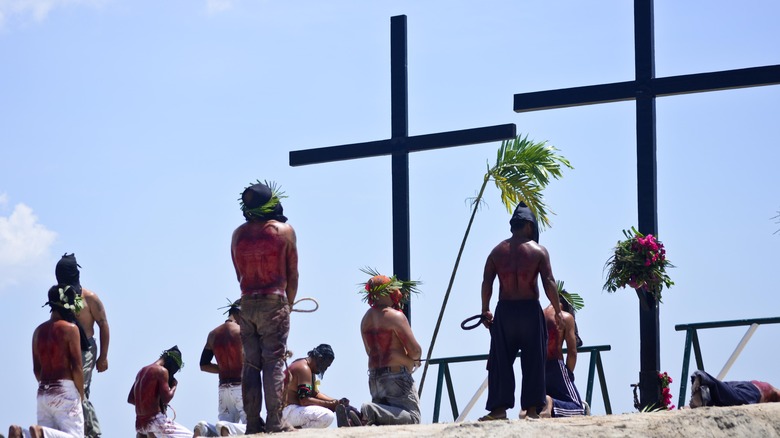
(522, 170)
(574, 299)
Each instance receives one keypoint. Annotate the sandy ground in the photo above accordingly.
(742, 421)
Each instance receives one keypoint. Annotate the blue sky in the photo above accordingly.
(128, 130)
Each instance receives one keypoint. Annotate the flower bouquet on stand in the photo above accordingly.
(639, 262)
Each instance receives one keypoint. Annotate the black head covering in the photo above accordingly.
(323, 355)
(67, 271)
(257, 195)
(524, 214)
(172, 362)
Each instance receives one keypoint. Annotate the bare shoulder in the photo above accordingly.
(536, 247)
(395, 316)
(568, 319)
(285, 229)
(90, 297)
(66, 328)
(300, 365)
(501, 248)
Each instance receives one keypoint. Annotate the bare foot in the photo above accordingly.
(36, 432)
(547, 411)
(14, 431)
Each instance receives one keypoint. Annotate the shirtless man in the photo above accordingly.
(708, 391)
(306, 407)
(393, 354)
(519, 323)
(56, 350)
(67, 273)
(153, 389)
(265, 257)
(224, 343)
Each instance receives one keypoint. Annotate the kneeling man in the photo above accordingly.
(306, 407)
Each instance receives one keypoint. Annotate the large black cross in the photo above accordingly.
(644, 89)
(399, 146)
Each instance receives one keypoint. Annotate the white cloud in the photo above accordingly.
(3, 200)
(37, 9)
(217, 6)
(24, 245)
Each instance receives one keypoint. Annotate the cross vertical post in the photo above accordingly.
(647, 195)
(399, 101)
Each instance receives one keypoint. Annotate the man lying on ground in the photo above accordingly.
(709, 391)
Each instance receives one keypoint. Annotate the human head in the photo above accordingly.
(262, 201)
(523, 215)
(323, 357)
(65, 300)
(172, 360)
(565, 306)
(233, 308)
(379, 286)
(67, 272)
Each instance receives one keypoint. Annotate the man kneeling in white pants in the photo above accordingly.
(306, 407)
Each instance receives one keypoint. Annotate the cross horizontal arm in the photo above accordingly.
(341, 153)
(576, 96)
(658, 87)
(462, 137)
(408, 144)
(719, 80)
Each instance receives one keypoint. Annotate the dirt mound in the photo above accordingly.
(744, 421)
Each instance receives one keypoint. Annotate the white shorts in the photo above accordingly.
(306, 417)
(59, 410)
(231, 413)
(162, 427)
(231, 403)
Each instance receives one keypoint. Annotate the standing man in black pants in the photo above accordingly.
(519, 323)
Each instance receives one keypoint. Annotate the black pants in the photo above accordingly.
(518, 325)
(728, 393)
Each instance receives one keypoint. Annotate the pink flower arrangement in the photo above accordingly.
(666, 394)
(639, 262)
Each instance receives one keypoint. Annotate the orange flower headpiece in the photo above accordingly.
(381, 285)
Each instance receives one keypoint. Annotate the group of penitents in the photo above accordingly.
(250, 347)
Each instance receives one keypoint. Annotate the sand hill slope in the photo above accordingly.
(742, 421)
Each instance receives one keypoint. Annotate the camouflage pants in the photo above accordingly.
(91, 423)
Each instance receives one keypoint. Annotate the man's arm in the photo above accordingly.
(233, 254)
(550, 288)
(206, 356)
(73, 340)
(571, 342)
(36, 357)
(131, 396)
(166, 392)
(488, 277)
(292, 265)
(301, 375)
(99, 315)
(404, 332)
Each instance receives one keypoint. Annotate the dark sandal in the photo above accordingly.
(489, 417)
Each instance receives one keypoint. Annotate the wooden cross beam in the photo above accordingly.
(644, 89)
(399, 146)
